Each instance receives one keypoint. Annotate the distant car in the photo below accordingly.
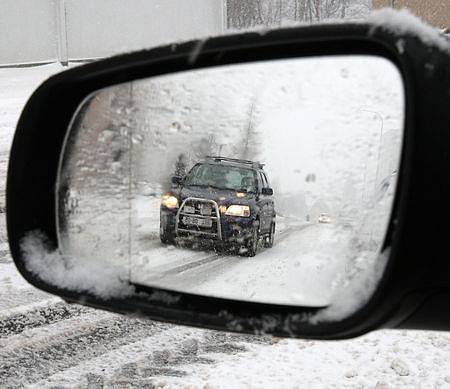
(324, 218)
(224, 200)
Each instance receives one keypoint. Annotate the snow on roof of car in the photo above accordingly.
(254, 164)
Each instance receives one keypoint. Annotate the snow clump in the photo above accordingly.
(101, 279)
(405, 22)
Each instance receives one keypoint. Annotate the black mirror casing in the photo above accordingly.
(415, 288)
(177, 180)
(267, 191)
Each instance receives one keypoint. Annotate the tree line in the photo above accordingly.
(243, 14)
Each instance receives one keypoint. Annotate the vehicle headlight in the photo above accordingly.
(238, 210)
(169, 201)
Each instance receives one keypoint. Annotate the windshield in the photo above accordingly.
(222, 177)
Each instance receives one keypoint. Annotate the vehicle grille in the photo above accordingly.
(198, 217)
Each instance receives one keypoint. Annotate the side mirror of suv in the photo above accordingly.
(177, 180)
(267, 191)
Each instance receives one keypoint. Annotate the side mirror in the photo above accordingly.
(368, 105)
(267, 191)
(177, 180)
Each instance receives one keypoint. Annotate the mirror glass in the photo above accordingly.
(268, 182)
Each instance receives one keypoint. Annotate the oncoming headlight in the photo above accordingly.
(169, 201)
(238, 210)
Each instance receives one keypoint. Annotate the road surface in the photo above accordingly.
(299, 269)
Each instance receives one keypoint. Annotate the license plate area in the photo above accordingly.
(206, 210)
(188, 209)
(196, 221)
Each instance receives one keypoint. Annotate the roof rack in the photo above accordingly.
(257, 165)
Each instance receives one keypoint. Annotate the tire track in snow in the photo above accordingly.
(191, 265)
(166, 354)
(214, 257)
(129, 363)
(192, 257)
(192, 274)
(43, 313)
(53, 333)
(36, 361)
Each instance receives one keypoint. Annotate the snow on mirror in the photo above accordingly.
(269, 182)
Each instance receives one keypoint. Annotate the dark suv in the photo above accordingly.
(223, 200)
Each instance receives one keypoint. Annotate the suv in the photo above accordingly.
(223, 200)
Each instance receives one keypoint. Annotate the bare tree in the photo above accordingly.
(243, 14)
(251, 142)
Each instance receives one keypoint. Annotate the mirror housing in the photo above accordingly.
(177, 180)
(417, 258)
(267, 191)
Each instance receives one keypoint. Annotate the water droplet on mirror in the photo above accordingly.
(137, 139)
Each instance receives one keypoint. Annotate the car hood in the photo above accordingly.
(220, 196)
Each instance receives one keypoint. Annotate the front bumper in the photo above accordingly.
(226, 229)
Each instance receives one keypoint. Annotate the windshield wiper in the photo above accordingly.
(220, 188)
(216, 187)
(209, 186)
(200, 185)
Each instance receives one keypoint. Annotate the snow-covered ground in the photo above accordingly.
(47, 343)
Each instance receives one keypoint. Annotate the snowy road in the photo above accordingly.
(276, 275)
(47, 343)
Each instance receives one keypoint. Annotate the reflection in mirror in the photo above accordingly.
(269, 182)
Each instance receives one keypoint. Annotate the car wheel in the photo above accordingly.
(166, 236)
(268, 241)
(252, 242)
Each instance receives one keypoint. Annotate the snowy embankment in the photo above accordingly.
(46, 343)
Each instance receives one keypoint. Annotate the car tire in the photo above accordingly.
(166, 236)
(268, 241)
(252, 242)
